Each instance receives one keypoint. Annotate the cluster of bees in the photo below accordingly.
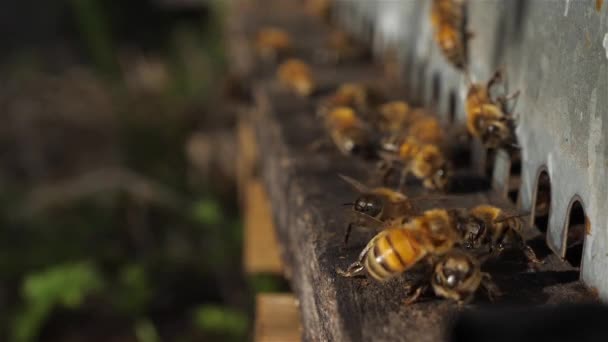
(447, 245)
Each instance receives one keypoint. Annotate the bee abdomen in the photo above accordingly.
(393, 253)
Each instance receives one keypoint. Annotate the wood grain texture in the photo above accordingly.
(261, 250)
(277, 318)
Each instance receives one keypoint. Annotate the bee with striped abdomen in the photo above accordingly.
(402, 245)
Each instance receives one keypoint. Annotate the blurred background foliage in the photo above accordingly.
(119, 219)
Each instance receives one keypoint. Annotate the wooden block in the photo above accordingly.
(261, 251)
(277, 318)
(247, 155)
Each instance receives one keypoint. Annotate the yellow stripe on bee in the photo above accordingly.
(375, 268)
(388, 256)
(405, 246)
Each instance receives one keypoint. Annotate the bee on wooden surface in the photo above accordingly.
(449, 22)
(490, 228)
(402, 245)
(361, 97)
(395, 116)
(374, 206)
(320, 8)
(297, 76)
(457, 276)
(272, 42)
(340, 47)
(487, 118)
(426, 162)
(350, 134)
(426, 129)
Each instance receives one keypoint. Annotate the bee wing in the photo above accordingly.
(423, 202)
(389, 156)
(360, 187)
(367, 220)
(510, 215)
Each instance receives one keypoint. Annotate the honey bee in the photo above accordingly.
(489, 227)
(448, 20)
(426, 129)
(340, 47)
(272, 42)
(395, 116)
(374, 206)
(403, 244)
(487, 118)
(457, 276)
(425, 161)
(320, 8)
(350, 134)
(359, 96)
(297, 76)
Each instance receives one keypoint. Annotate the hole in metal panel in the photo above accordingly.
(489, 165)
(578, 228)
(452, 107)
(514, 177)
(542, 203)
(436, 89)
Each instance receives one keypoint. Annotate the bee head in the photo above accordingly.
(368, 204)
(441, 176)
(495, 133)
(454, 274)
(471, 230)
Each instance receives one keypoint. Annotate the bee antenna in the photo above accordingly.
(513, 216)
(345, 204)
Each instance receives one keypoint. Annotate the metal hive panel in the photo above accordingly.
(556, 54)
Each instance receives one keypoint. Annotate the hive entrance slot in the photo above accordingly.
(436, 90)
(452, 107)
(543, 202)
(578, 227)
(514, 177)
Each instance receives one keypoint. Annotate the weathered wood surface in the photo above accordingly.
(306, 196)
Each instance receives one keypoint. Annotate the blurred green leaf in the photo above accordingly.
(133, 290)
(145, 331)
(220, 320)
(266, 283)
(65, 285)
(207, 211)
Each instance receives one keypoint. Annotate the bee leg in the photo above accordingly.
(414, 298)
(531, 255)
(504, 99)
(492, 290)
(357, 267)
(349, 228)
(387, 173)
(404, 174)
(318, 144)
(354, 269)
(497, 77)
